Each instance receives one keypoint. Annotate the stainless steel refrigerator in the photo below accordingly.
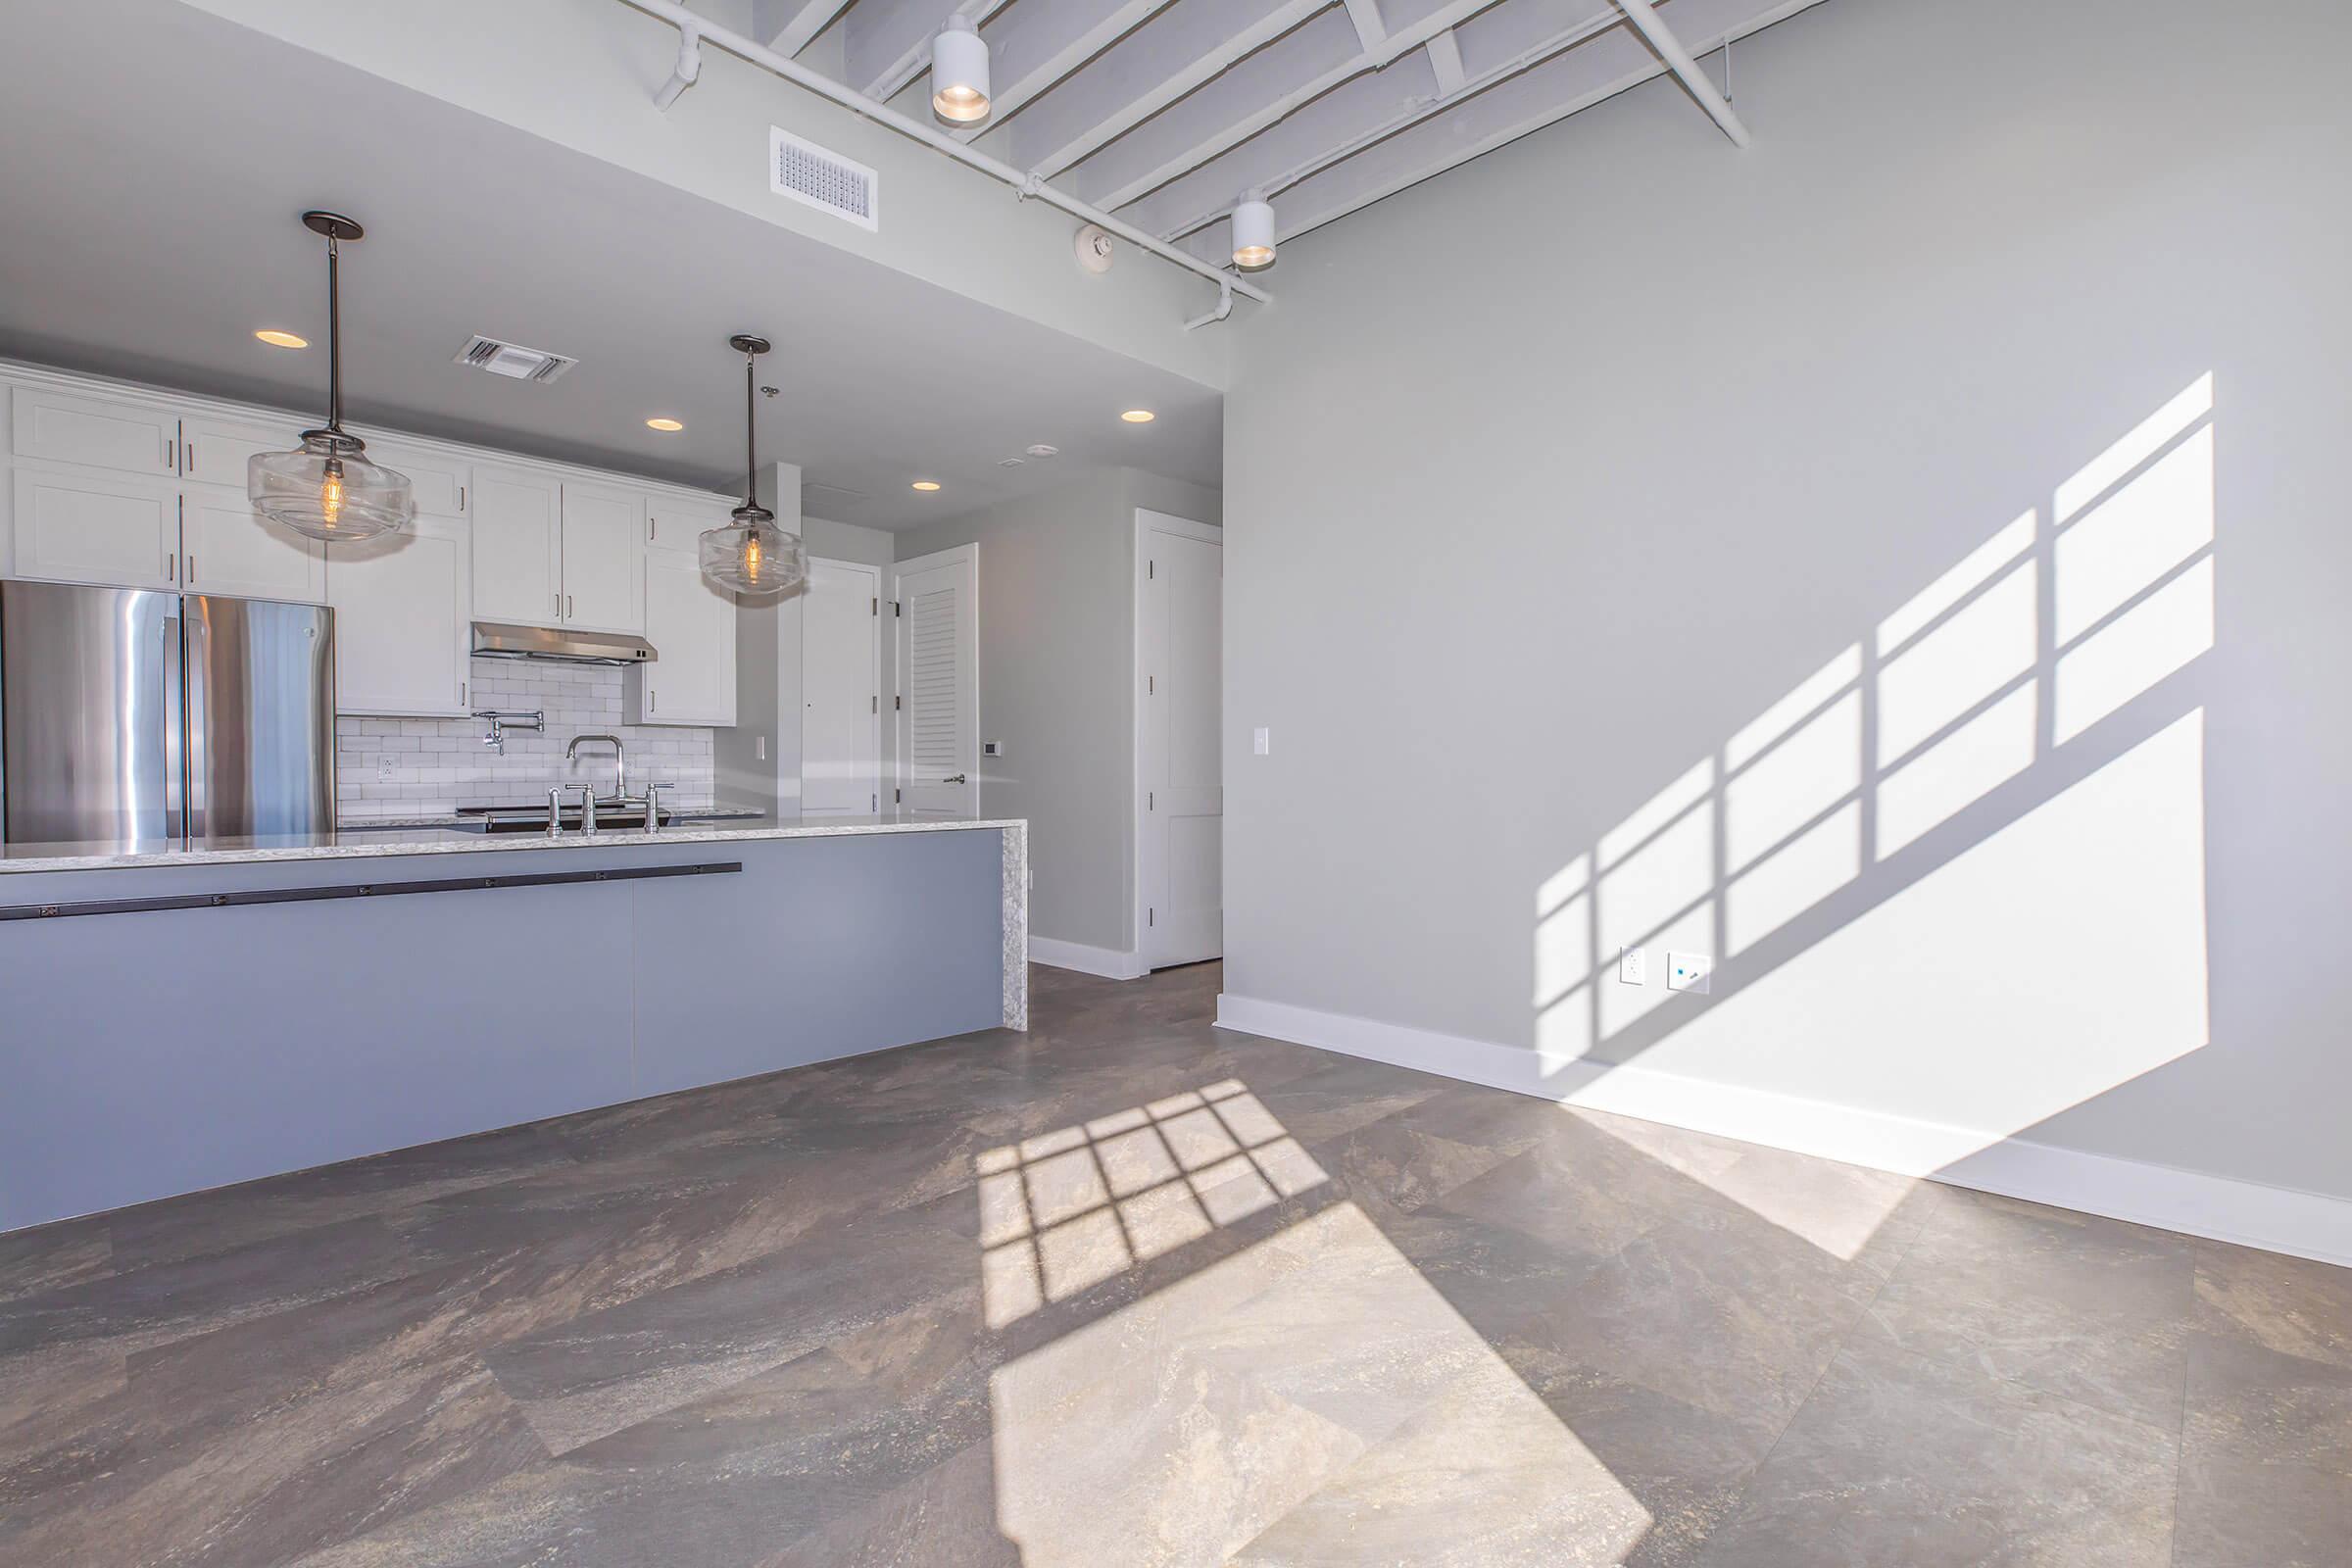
(127, 714)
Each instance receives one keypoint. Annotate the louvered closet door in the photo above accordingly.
(939, 675)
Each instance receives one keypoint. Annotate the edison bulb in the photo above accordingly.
(330, 496)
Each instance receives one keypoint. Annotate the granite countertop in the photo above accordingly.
(391, 841)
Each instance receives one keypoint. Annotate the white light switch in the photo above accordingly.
(760, 748)
(1261, 741)
(1690, 971)
(1633, 967)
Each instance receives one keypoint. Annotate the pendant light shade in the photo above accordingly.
(751, 555)
(1254, 233)
(959, 72)
(326, 488)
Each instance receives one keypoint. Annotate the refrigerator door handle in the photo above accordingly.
(175, 732)
(195, 662)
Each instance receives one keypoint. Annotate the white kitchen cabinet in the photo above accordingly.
(604, 582)
(442, 483)
(403, 613)
(227, 548)
(517, 547)
(692, 627)
(675, 523)
(123, 435)
(91, 526)
(215, 451)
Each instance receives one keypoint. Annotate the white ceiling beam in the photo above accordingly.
(1370, 31)
(887, 43)
(1229, 133)
(790, 25)
(1144, 72)
(1041, 42)
(1284, 168)
(1678, 60)
(1445, 60)
(1480, 124)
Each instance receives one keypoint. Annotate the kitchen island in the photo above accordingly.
(174, 1018)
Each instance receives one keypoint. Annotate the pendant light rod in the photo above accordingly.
(337, 228)
(1027, 183)
(751, 348)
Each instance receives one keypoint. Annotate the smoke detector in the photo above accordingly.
(1095, 250)
(512, 360)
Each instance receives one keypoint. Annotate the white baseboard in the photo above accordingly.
(1108, 962)
(2224, 1209)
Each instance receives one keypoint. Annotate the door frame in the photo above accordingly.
(1148, 523)
(873, 652)
(898, 570)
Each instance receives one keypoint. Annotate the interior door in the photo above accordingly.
(841, 690)
(1180, 621)
(604, 584)
(939, 672)
(517, 548)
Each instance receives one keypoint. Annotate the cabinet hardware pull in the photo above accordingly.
(461, 498)
(171, 568)
(188, 451)
(572, 607)
(191, 569)
(170, 455)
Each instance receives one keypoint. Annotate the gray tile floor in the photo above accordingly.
(1134, 1290)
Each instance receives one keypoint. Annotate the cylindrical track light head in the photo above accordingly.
(1254, 233)
(959, 72)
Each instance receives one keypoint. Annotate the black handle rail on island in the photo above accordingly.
(354, 890)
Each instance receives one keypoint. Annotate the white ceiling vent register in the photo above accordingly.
(513, 360)
(815, 178)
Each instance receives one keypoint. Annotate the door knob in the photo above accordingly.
(957, 779)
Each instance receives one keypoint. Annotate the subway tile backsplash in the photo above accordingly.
(407, 767)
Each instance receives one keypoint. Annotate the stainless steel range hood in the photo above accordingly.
(497, 640)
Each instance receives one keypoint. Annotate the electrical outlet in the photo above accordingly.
(1691, 971)
(384, 764)
(1633, 967)
(992, 748)
(1262, 741)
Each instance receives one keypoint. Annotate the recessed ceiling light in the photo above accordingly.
(664, 424)
(281, 340)
(1139, 416)
(1041, 450)
(926, 484)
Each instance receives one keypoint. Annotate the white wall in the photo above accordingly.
(1557, 482)
(1056, 688)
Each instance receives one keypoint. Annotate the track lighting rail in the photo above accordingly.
(694, 26)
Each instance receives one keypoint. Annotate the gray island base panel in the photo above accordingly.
(151, 1054)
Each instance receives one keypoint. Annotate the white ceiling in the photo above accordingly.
(1167, 112)
(153, 164)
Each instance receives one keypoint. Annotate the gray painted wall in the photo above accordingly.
(1661, 429)
(1056, 658)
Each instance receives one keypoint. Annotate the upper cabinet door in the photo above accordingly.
(692, 627)
(443, 485)
(83, 526)
(403, 621)
(517, 547)
(101, 433)
(228, 547)
(216, 451)
(604, 575)
(677, 524)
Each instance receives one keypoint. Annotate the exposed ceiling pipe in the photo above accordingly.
(1678, 60)
(1223, 310)
(1028, 184)
(687, 69)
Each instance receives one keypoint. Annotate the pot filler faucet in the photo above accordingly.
(620, 763)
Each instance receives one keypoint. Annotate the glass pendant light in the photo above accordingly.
(326, 488)
(751, 555)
